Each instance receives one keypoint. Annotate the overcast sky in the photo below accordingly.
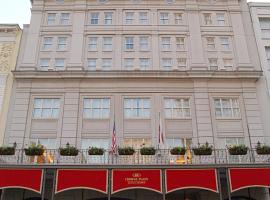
(18, 11)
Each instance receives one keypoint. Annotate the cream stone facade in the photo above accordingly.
(10, 35)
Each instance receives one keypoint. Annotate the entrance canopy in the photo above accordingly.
(30, 179)
(241, 178)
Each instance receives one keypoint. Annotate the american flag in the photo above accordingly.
(160, 133)
(114, 139)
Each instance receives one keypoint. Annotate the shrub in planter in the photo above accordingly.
(34, 150)
(96, 151)
(178, 151)
(262, 149)
(148, 151)
(238, 149)
(203, 150)
(68, 150)
(126, 151)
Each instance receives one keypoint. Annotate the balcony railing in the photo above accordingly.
(162, 157)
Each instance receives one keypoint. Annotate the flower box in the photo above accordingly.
(262, 149)
(96, 151)
(148, 151)
(126, 151)
(238, 149)
(178, 151)
(68, 150)
(203, 150)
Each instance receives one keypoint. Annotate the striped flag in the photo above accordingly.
(160, 134)
(114, 139)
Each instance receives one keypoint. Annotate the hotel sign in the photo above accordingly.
(149, 179)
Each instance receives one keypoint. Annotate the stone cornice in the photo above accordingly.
(138, 74)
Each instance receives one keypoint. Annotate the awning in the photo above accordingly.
(241, 178)
(68, 179)
(149, 179)
(29, 179)
(178, 179)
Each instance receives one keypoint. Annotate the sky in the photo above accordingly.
(18, 11)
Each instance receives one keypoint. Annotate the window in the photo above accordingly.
(178, 18)
(106, 63)
(96, 108)
(94, 18)
(143, 18)
(220, 19)
(207, 18)
(62, 43)
(267, 51)
(108, 18)
(129, 63)
(213, 63)
(227, 108)
(228, 64)
(129, 45)
(182, 63)
(210, 43)
(180, 43)
(49, 144)
(95, 142)
(44, 63)
(164, 18)
(166, 43)
(167, 63)
(92, 64)
(144, 63)
(178, 142)
(177, 108)
(64, 18)
(265, 27)
(137, 143)
(59, 63)
(47, 43)
(234, 141)
(129, 17)
(136, 108)
(107, 44)
(92, 45)
(144, 43)
(51, 17)
(225, 43)
(46, 108)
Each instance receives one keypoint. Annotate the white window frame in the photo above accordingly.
(210, 41)
(92, 43)
(144, 43)
(267, 52)
(178, 18)
(143, 18)
(53, 108)
(129, 43)
(94, 18)
(144, 63)
(51, 19)
(47, 43)
(129, 63)
(137, 108)
(166, 43)
(107, 43)
(90, 65)
(129, 17)
(62, 43)
(57, 65)
(164, 18)
(180, 43)
(225, 43)
(220, 19)
(108, 17)
(181, 62)
(43, 65)
(178, 142)
(106, 64)
(176, 108)
(102, 108)
(167, 64)
(207, 18)
(234, 107)
(64, 18)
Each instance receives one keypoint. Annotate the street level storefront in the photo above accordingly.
(197, 183)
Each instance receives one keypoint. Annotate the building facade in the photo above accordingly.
(10, 35)
(138, 68)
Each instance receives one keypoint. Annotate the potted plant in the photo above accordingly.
(178, 151)
(148, 151)
(96, 151)
(126, 151)
(68, 150)
(262, 149)
(34, 150)
(203, 150)
(8, 150)
(238, 149)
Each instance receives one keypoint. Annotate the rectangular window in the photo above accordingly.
(129, 43)
(267, 51)
(108, 18)
(92, 64)
(129, 63)
(167, 64)
(94, 18)
(106, 64)
(92, 45)
(144, 43)
(224, 41)
(166, 43)
(44, 64)
(46, 108)
(227, 108)
(59, 64)
(51, 18)
(47, 43)
(177, 108)
(137, 143)
(107, 44)
(95, 142)
(220, 19)
(210, 43)
(182, 63)
(180, 43)
(213, 63)
(64, 18)
(143, 18)
(265, 26)
(207, 18)
(144, 63)
(234, 141)
(49, 144)
(129, 17)
(228, 64)
(62, 43)
(178, 18)
(178, 142)
(164, 18)
(136, 108)
(96, 108)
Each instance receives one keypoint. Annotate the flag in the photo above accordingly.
(113, 149)
(160, 133)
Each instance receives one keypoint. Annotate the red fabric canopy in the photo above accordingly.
(68, 179)
(30, 179)
(241, 178)
(149, 179)
(177, 179)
